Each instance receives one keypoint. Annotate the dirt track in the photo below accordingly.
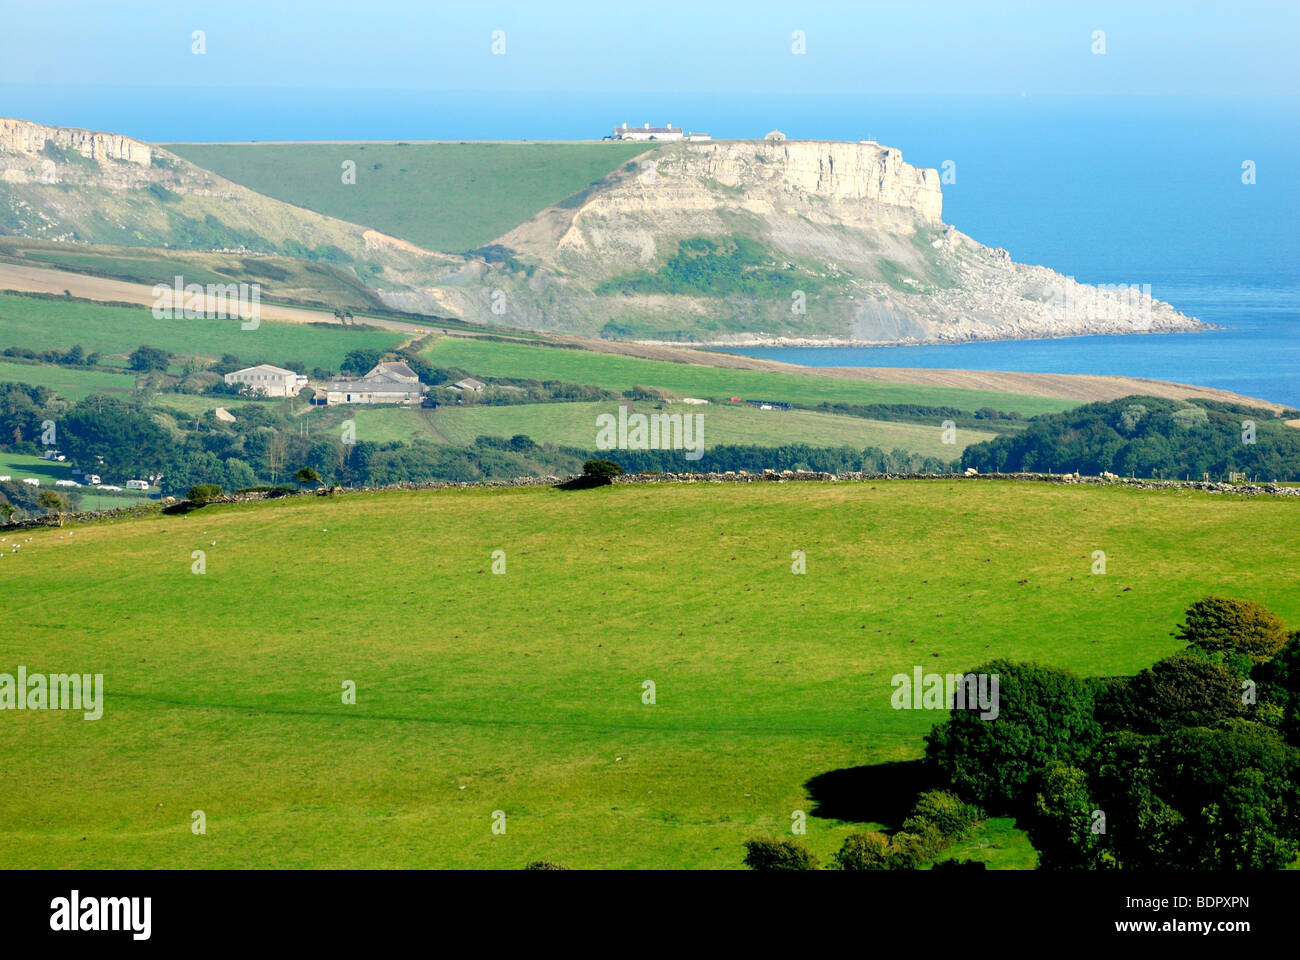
(1069, 386)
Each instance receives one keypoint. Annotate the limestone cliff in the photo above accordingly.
(23, 137)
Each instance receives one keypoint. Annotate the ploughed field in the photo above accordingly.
(522, 692)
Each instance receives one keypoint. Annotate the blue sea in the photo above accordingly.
(1107, 190)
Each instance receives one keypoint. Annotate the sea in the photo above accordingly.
(1198, 197)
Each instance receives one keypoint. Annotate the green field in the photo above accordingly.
(20, 465)
(522, 693)
(574, 425)
(43, 324)
(441, 196)
(71, 382)
(616, 372)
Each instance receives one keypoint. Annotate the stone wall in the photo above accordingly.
(767, 476)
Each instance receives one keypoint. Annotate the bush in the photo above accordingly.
(953, 819)
(863, 851)
(1223, 625)
(544, 865)
(910, 851)
(203, 493)
(764, 854)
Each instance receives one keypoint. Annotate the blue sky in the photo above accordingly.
(930, 48)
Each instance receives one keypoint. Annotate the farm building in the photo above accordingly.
(390, 382)
(268, 380)
(469, 383)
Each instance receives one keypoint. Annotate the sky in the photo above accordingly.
(1240, 48)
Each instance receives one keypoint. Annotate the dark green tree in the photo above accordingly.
(1044, 714)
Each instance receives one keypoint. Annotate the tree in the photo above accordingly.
(277, 447)
(306, 475)
(7, 511)
(1065, 827)
(1187, 690)
(1200, 798)
(764, 854)
(360, 361)
(145, 359)
(131, 443)
(544, 865)
(1279, 688)
(52, 502)
(1226, 626)
(604, 470)
(1044, 714)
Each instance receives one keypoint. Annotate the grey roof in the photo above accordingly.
(374, 385)
(392, 369)
(267, 369)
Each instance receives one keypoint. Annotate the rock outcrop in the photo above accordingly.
(850, 176)
(24, 137)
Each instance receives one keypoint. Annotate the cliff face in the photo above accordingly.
(847, 175)
(22, 137)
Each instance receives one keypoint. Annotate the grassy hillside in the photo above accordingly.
(574, 424)
(280, 278)
(616, 372)
(42, 324)
(441, 196)
(523, 692)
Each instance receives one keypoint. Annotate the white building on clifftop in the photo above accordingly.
(648, 133)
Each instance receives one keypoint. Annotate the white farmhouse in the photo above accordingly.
(268, 381)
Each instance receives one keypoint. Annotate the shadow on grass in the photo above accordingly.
(583, 483)
(882, 793)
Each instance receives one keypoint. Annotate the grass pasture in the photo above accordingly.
(71, 382)
(522, 692)
(574, 425)
(43, 324)
(451, 197)
(616, 372)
